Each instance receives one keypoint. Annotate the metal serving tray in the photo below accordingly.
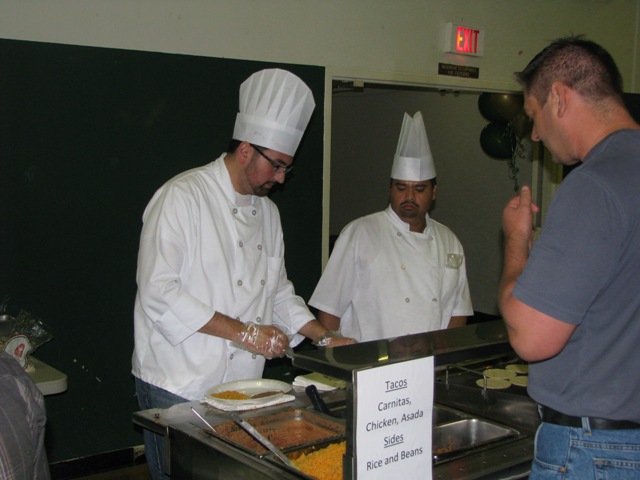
(452, 439)
(443, 415)
(289, 429)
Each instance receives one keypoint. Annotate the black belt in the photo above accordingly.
(549, 415)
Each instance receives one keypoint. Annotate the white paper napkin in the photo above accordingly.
(323, 383)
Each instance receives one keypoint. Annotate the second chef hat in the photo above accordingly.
(413, 161)
(275, 108)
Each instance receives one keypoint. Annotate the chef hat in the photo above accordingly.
(275, 107)
(413, 161)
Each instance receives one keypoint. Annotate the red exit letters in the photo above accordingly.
(467, 40)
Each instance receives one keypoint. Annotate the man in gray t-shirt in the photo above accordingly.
(581, 272)
(570, 303)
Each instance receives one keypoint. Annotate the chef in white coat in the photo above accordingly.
(213, 296)
(398, 271)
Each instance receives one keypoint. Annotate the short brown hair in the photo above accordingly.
(580, 64)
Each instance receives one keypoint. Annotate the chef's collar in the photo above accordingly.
(233, 197)
(402, 225)
(243, 200)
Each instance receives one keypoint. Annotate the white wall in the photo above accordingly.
(398, 40)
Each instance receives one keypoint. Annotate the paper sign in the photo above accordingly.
(393, 426)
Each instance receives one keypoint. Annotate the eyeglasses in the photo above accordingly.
(276, 166)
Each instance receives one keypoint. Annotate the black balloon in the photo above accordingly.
(500, 107)
(497, 140)
(487, 109)
(507, 106)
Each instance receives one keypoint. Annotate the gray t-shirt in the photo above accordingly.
(585, 270)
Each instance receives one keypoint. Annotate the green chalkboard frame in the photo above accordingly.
(86, 136)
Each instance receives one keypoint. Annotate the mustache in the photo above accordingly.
(408, 202)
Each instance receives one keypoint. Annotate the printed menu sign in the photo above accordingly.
(393, 420)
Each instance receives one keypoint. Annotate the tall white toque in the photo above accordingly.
(413, 161)
(275, 108)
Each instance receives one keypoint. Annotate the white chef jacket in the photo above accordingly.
(382, 280)
(205, 248)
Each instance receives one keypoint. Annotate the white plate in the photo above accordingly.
(250, 388)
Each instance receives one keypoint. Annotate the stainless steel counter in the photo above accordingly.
(195, 453)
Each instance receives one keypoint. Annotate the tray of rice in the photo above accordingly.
(322, 462)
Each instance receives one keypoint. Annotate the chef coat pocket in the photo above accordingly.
(454, 260)
(450, 281)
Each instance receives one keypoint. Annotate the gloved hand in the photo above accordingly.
(265, 340)
(333, 338)
(340, 341)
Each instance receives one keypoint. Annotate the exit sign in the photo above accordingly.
(464, 39)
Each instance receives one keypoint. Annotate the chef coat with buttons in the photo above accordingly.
(382, 280)
(205, 248)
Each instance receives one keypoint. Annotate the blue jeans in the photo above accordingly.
(567, 453)
(150, 396)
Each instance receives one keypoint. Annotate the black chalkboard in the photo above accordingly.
(86, 136)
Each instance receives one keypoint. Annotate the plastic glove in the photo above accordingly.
(340, 341)
(333, 338)
(264, 340)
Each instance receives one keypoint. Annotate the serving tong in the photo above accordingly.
(250, 429)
